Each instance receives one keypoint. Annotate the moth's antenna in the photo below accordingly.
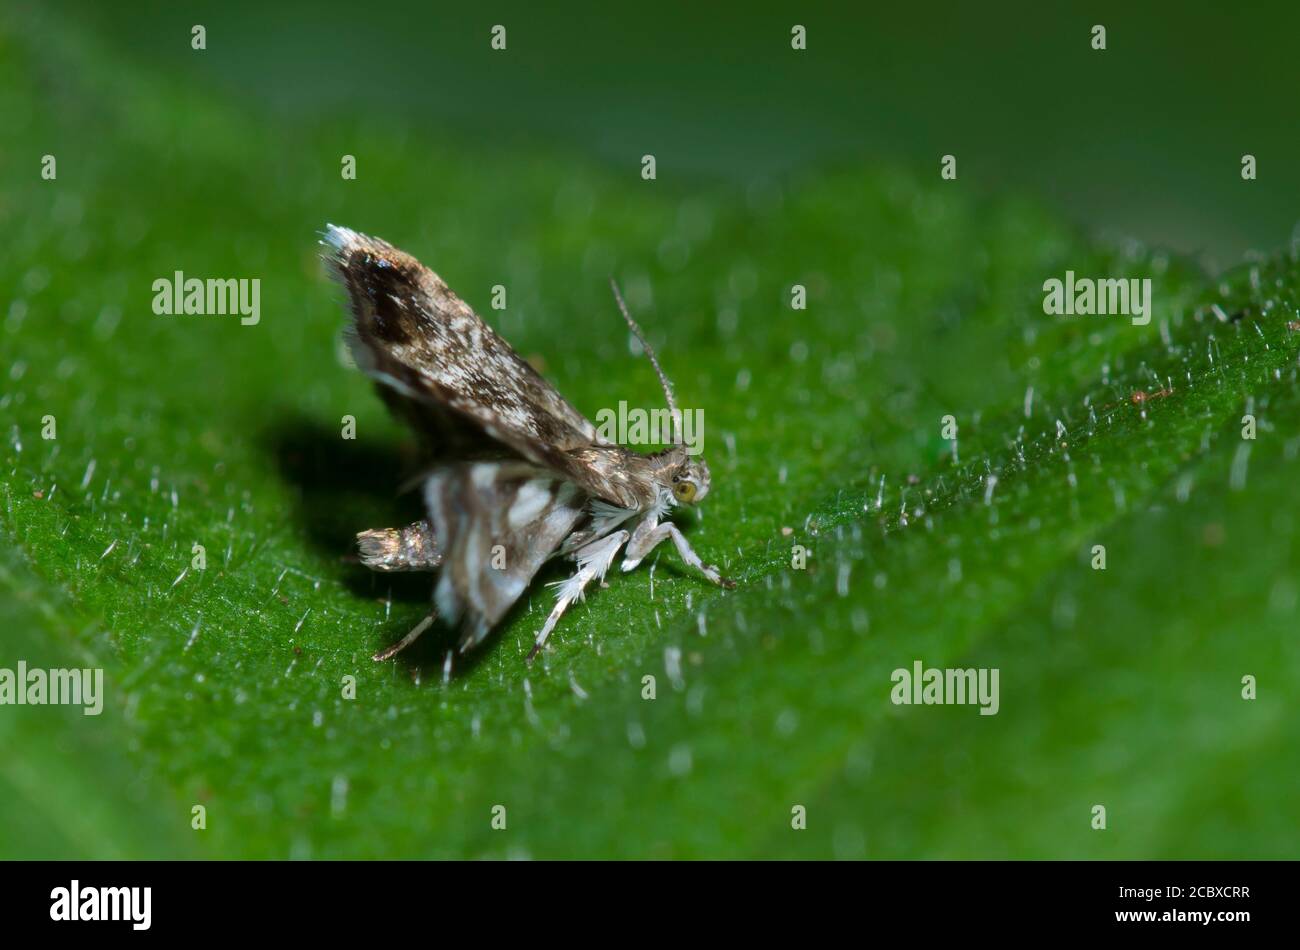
(649, 351)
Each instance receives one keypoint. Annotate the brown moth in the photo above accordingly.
(522, 476)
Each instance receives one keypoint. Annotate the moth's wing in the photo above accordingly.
(499, 522)
(425, 344)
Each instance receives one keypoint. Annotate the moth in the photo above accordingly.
(520, 477)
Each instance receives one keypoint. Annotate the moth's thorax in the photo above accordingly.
(637, 481)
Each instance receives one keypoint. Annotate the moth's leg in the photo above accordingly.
(593, 561)
(413, 548)
(389, 652)
(643, 542)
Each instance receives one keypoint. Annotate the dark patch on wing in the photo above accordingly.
(384, 286)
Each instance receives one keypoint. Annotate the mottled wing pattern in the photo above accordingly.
(475, 507)
(417, 338)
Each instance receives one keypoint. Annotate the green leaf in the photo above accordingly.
(1119, 687)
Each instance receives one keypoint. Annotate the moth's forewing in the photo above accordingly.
(414, 335)
(501, 521)
(449, 374)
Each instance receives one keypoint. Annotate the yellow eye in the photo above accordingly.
(684, 491)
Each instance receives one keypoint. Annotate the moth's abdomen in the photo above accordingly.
(413, 548)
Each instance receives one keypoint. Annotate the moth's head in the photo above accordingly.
(689, 481)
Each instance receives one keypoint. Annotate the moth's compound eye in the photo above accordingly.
(685, 491)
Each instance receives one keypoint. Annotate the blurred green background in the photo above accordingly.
(775, 167)
(1144, 139)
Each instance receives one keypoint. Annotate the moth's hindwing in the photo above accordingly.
(502, 520)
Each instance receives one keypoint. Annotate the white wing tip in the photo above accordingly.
(341, 239)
